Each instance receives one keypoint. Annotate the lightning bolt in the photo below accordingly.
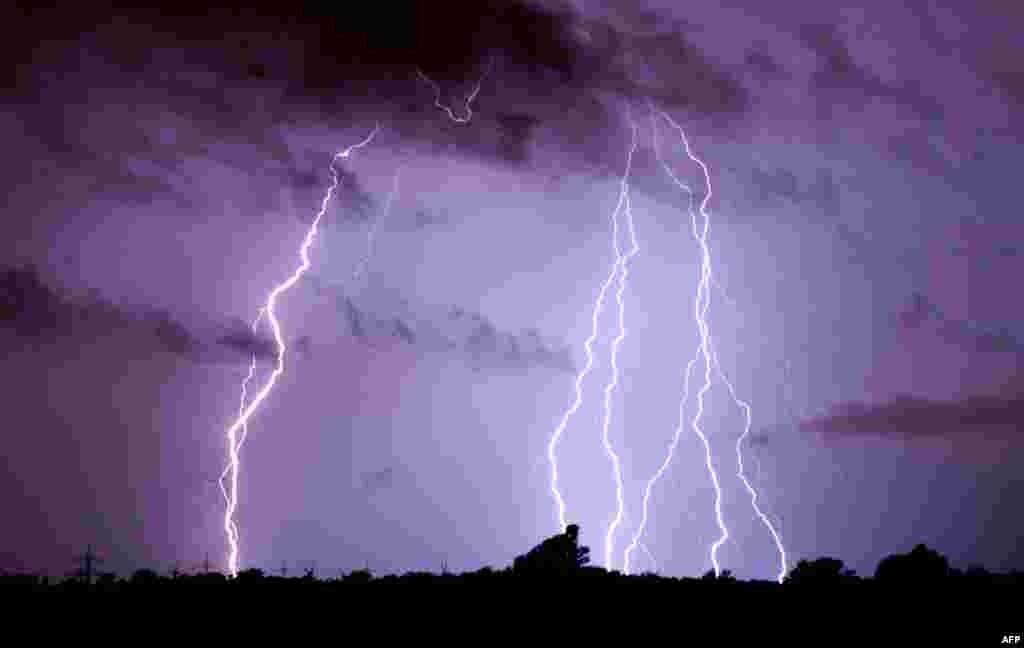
(469, 101)
(705, 350)
(743, 405)
(650, 556)
(241, 423)
(232, 469)
(702, 299)
(662, 468)
(588, 345)
(624, 206)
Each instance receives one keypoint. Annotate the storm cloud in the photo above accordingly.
(909, 418)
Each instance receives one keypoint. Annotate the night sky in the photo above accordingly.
(161, 168)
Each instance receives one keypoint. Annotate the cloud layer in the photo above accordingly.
(39, 314)
(978, 417)
(451, 330)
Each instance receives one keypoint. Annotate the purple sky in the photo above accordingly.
(162, 169)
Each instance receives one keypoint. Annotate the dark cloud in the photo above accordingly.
(404, 333)
(998, 51)
(916, 312)
(930, 27)
(990, 252)
(487, 347)
(764, 66)
(174, 337)
(911, 418)
(839, 79)
(919, 312)
(354, 318)
(687, 79)
(759, 440)
(29, 307)
(242, 339)
(770, 186)
(453, 330)
(353, 203)
(337, 69)
(330, 53)
(39, 314)
(780, 186)
(1009, 81)
(857, 245)
(426, 217)
(484, 337)
(516, 130)
(209, 93)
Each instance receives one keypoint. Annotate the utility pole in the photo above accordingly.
(88, 560)
(206, 563)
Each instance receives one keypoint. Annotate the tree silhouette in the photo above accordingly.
(247, 576)
(559, 554)
(977, 574)
(358, 576)
(145, 577)
(921, 566)
(725, 576)
(823, 571)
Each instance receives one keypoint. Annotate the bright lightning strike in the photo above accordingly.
(701, 301)
(625, 207)
(650, 557)
(661, 469)
(743, 405)
(242, 421)
(231, 470)
(588, 346)
(648, 488)
(469, 100)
